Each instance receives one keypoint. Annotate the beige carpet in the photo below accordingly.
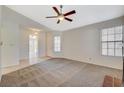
(59, 73)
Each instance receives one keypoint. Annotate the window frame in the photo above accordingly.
(55, 45)
(101, 42)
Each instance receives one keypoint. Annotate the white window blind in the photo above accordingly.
(57, 43)
(111, 39)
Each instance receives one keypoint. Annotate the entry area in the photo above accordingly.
(33, 46)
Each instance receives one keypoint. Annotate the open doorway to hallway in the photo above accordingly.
(33, 46)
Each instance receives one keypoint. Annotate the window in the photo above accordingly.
(57, 43)
(111, 39)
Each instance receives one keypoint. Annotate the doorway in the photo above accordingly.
(33, 46)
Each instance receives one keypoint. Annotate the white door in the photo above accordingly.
(33, 46)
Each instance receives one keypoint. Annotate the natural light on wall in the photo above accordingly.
(57, 44)
(111, 39)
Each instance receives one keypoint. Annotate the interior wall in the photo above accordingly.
(42, 44)
(16, 40)
(10, 47)
(16, 36)
(24, 43)
(50, 44)
(83, 44)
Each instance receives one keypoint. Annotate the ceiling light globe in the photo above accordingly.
(61, 17)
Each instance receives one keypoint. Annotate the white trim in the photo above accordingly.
(0, 78)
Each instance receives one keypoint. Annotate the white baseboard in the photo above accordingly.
(84, 61)
(114, 67)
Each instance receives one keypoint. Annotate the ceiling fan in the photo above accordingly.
(62, 16)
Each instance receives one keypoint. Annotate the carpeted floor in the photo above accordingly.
(59, 73)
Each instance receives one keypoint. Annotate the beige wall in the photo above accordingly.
(10, 47)
(16, 40)
(50, 46)
(83, 44)
(16, 35)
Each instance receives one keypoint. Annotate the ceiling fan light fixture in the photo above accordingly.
(61, 17)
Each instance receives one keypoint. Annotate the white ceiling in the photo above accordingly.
(84, 14)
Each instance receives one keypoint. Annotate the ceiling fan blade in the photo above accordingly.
(52, 17)
(68, 19)
(56, 10)
(70, 13)
(58, 21)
